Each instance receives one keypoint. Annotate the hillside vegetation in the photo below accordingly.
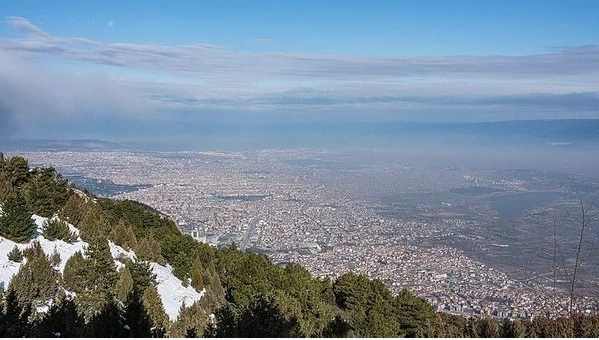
(115, 267)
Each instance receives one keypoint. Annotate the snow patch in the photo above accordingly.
(9, 268)
(172, 292)
(121, 255)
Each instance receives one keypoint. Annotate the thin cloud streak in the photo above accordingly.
(205, 59)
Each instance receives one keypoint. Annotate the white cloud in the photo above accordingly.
(144, 79)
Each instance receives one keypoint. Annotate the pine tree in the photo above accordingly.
(15, 255)
(263, 318)
(415, 314)
(45, 191)
(513, 329)
(94, 224)
(471, 329)
(136, 318)
(215, 287)
(74, 209)
(487, 328)
(142, 275)
(124, 285)
(101, 277)
(192, 317)
(55, 258)
(76, 273)
(5, 181)
(199, 279)
(123, 236)
(16, 223)
(16, 318)
(55, 229)
(17, 169)
(106, 322)
(150, 250)
(155, 309)
(36, 280)
(62, 320)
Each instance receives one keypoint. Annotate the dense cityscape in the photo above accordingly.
(294, 208)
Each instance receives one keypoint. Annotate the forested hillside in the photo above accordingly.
(78, 265)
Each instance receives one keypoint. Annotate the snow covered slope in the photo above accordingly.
(172, 292)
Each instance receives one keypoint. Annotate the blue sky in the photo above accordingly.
(276, 61)
(358, 27)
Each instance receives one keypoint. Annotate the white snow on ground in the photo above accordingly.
(65, 250)
(172, 292)
(121, 255)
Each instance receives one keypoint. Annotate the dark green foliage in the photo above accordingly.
(248, 275)
(94, 224)
(192, 319)
(124, 286)
(5, 179)
(122, 235)
(92, 278)
(307, 300)
(55, 258)
(36, 280)
(191, 333)
(142, 275)
(74, 209)
(75, 275)
(155, 309)
(136, 321)
(338, 328)
(149, 250)
(214, 288)
(513, 329)
(415, 314)
(16, 223)
(449, 326)
(100, 279)
(367, 306)
(101, 264)
(106, 322)
(262, 318)
(15, 255)
(547, 328)
(14, 322)
(205, 277)
(55, 229)
(488, 328)
(62, 320)
(179, 250)
(585, 327)
(199, 275)
(17, 170)
(45, 191)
